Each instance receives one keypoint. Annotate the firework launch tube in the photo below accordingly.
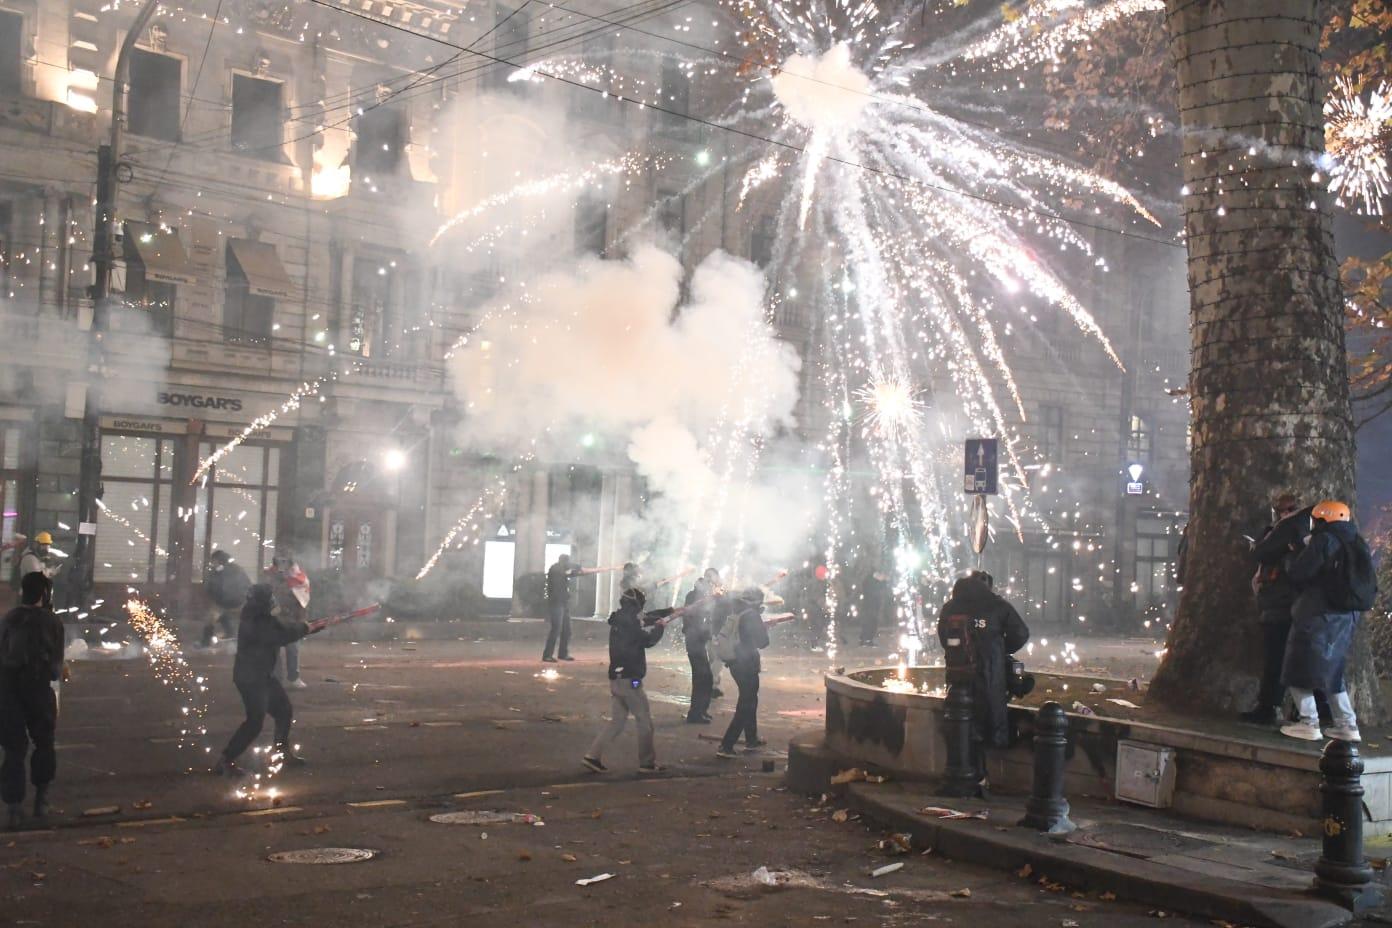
(318, 625)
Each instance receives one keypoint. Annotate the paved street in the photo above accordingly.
(398, 732)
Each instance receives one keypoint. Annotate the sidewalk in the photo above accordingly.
(1233, 876)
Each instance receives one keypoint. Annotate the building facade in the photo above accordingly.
(282, 174)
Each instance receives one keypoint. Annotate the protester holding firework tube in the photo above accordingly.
(260, 636)
(739, 646)
(631, 633)
(696, 630)
(558, 577)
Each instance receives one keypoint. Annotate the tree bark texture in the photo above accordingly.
(1269, 376)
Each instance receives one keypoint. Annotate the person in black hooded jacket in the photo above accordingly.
(31, 658)
(631, 633)
(260, 636)
(1275, 595)
(997, 632)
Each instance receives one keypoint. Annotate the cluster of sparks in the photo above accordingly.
(171, 668)
(1358, 134)
(292, 402)
(563, 181)
(469, 524)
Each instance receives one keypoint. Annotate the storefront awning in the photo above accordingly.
(160, 251)
(261, 265)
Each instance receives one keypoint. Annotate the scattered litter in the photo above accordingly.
(765, 877)
(1124, 703)
(101, 810)
(1099, 687)
(594, 879)
(853, 775)
(897, 843)
(1024, 872)
(142, 804)
(954, 814)
(840, 815)
(887, 869)
(1082, 709)
(1107, 897)
(1282, 855)
(525, 857)
(1069, 923)
(569, 858)
(960, 893)
(486, 818)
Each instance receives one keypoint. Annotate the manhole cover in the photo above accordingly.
(485, 818)
(1137, 840)
(323, 855)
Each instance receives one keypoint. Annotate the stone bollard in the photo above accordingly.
(1342, 872)
(960, 776)
(1047, 809)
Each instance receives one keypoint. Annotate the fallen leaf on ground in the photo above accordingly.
(1024, 872)
(840, 815)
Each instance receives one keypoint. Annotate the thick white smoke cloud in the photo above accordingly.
(605, 347)
(685, 389)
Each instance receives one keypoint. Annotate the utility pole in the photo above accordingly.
(103, 239)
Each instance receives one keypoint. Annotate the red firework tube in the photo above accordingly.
(318, 625)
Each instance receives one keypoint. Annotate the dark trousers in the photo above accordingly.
(1274, 634)
(28, 712)
(261, 698)
(702, 682)
(1271, 692)
(226, 619)
(746, 720)
(559, 614)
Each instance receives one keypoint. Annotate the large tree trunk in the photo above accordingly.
(1269, 382)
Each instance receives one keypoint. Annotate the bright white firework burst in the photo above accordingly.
(926, 223)
(1358, 135)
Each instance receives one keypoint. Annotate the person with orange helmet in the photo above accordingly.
(1334, 581)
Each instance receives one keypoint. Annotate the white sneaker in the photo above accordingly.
(1341, 733)
(1305, 731)
(297, 684)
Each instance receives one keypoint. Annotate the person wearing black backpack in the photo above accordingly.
(1334, 579)
(980, 632)
(31, 658)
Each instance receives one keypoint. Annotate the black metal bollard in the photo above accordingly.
(960, 776)
(1342, 872)
(1047, 809)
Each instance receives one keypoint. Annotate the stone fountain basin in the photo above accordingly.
(1226, 772)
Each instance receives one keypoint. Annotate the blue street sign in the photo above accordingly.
(983, 470)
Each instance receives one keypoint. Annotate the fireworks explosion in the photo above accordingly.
(1358, 134)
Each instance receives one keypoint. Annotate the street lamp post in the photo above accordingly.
(108, 182)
